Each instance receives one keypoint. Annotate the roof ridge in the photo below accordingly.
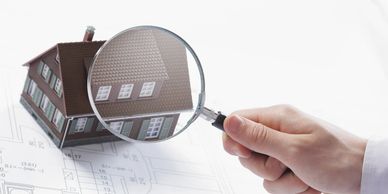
(55, 45)
(95, 41)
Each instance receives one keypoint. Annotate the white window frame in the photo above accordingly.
(45, 71)
(58, 87)
(103, 93)
(56, 117)
(154, 127)
(44, 102)
(32, 88)
(80, 125)
(125, 91)
(147, 89)
(116, 126)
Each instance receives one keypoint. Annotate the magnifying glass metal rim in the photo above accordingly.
(201, 98)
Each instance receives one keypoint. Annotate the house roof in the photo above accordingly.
(39, 56)
(72, 57)
(145, 55)
(137, 48)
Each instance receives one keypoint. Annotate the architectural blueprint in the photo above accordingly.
(30, 162)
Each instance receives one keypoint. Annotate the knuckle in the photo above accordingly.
(258, 134)
(287, 109)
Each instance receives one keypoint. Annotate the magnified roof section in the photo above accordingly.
(151, 60)
(130, 57)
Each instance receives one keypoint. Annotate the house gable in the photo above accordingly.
(44, 72)
(72, 58)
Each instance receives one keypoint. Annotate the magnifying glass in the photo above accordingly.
(146, 84)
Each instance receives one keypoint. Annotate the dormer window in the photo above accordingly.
(147, 90)
(103, 93)
(125, 91)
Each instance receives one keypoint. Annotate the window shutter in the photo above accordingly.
(127, 128)
(164, 132)
(60, 123)
(37, 96)
(52, 81)
(89, 125)
(100, 127)
(50, 110)
(26, 84)
(40, 67)
(59, 93)
(143, 130)
(72, 126)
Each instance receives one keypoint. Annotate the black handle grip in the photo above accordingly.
(219, 122)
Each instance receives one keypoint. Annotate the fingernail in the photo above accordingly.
(235, 123)
(244, 155)
(238, 153)
(235, 152)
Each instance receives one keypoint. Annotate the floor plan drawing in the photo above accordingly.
(31, 164)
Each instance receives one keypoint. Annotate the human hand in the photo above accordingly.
(294, 152)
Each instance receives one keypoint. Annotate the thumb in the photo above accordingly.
(257, 137)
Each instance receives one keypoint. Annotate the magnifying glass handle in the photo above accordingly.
(217, 118)
(219, 122)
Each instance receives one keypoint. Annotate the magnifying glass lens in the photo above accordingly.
(145, 84)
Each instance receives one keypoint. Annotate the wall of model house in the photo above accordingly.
(43, 93)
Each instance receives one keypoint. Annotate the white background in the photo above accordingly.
(325, 57)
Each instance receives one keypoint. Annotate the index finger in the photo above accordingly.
(275, 117)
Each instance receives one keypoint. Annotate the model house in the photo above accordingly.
(55, 91)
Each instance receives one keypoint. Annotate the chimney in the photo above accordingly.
(89, 33)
